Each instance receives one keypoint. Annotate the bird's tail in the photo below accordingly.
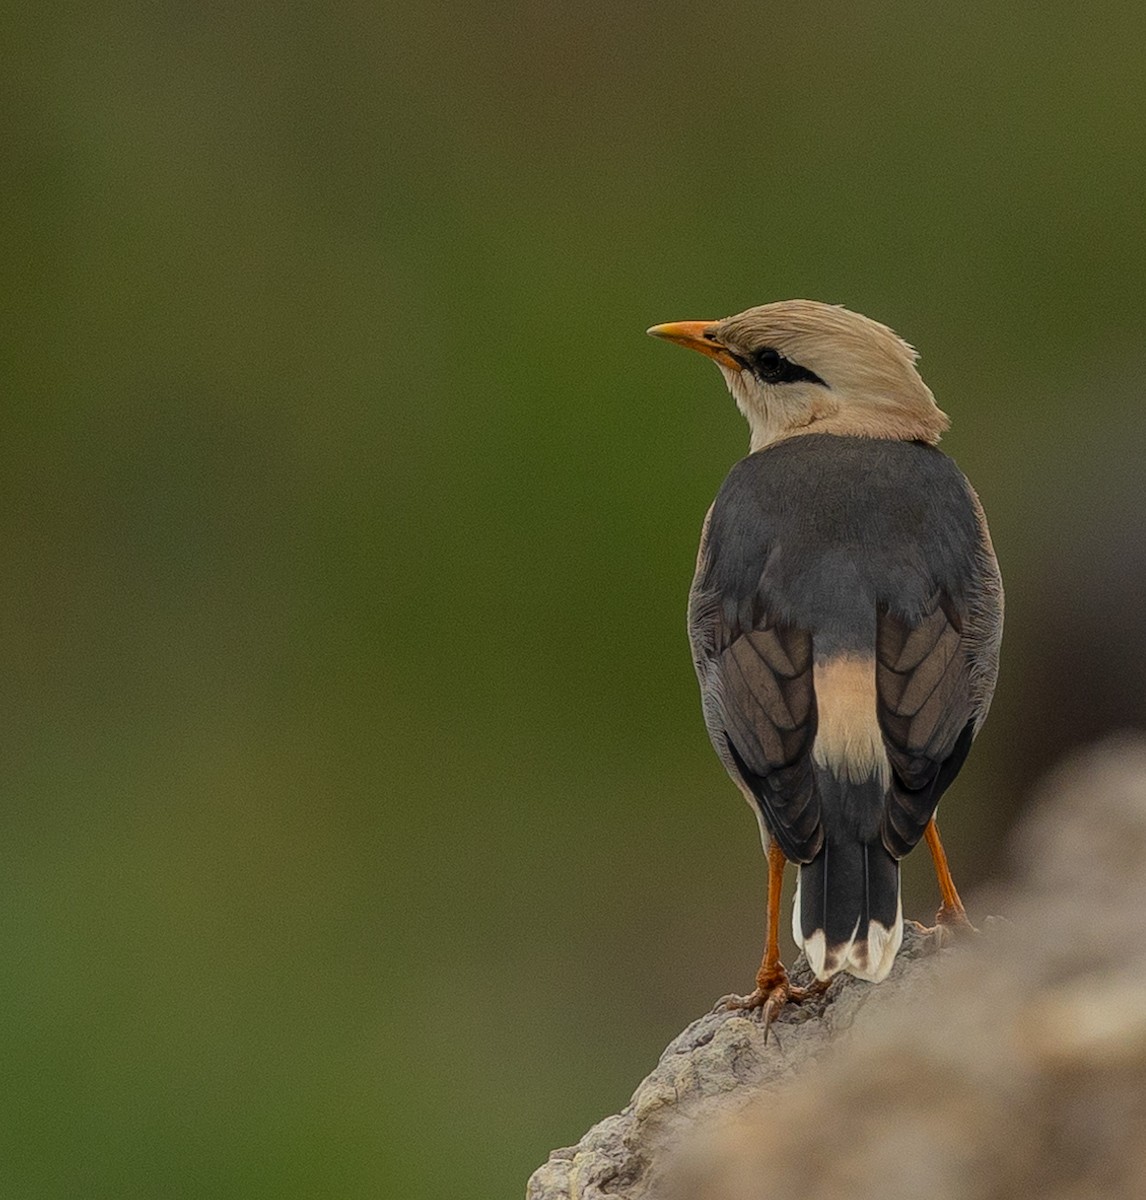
(848, 915)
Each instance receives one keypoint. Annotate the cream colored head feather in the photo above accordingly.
(799, 366)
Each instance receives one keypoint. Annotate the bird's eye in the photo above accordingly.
(771, 367)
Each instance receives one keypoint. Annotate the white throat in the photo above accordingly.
(764, 424)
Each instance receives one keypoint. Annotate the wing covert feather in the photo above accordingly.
(762, 716)
(925, 705)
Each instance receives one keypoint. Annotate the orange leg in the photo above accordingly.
(773, 988)
(951, 912)
(771, 969)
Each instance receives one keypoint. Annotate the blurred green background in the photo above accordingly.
(361, 836)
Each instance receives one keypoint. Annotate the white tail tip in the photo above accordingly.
(870, 959)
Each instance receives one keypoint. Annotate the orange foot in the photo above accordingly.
(773, 990)
(951, 925)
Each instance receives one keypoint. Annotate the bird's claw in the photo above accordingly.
(951, 925)
(769, 997)
(955, 919)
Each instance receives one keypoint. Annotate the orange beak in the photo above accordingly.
(697, 335)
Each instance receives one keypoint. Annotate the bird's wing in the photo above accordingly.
(756, 682)
(934, 679)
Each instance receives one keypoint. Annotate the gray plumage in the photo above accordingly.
(826, 546)
(823, 546)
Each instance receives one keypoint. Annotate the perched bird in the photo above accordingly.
(845, 621)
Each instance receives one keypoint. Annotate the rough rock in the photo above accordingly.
(1012, 1064)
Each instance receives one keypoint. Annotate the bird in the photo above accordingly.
(845, 620)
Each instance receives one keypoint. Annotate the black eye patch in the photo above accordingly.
(770, 366)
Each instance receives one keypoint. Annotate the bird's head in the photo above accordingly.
(799, 366)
